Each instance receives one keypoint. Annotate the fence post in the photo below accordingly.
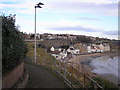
(64, 70)
(55, 64)
(59, 66)
(50, 65)
(84, 82)
(95, 86)
(71, 76)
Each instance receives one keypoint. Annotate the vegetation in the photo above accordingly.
(65, 47)
(105, 83)
(41, 46)
(13, 47)
(47, 61)
(84, 39)
(32, 36)
(43, 57)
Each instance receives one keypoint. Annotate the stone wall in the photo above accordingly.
(9, 79)
(22, 81)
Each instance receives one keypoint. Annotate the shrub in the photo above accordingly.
(105, 83)
(13, 46)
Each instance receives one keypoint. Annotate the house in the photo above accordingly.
(106, 47)
(72, 50)
(26, 36)
(59, 55)
(82, 47)
(55, 49)
(52, 49)
(56, 54)
(91, 48)
(101, 47)
(63, 54)
(38, 36)
(98, 48)
(72, 37)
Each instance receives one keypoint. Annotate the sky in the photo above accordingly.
(97, 18)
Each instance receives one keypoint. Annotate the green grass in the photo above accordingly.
(42, 55)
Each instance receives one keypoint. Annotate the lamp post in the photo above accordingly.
(36, 6)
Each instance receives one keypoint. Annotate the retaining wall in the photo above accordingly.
(9, 79)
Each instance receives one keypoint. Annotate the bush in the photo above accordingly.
(84, 40)
(105, 83)
(65, 47)
(13, 46)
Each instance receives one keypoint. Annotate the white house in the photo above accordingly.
(59, 55)
(55, 49)
(56, 54)
(101, 47)
(106, 47)
(98, 48)
(52, 49)
(63, 54)
(91, 49)
(72, 50)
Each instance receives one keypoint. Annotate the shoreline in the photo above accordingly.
(88, 57)
(82, 62)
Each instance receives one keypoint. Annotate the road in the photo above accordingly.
(41, 78)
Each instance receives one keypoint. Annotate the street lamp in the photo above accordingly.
(36, 6)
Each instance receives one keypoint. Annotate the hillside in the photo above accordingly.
(43, 58)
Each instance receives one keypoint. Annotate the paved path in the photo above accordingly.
(41, 78)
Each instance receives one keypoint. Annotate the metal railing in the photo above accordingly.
(72, 76)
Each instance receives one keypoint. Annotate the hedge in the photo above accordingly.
(13, 46)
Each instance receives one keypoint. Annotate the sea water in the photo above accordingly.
(106, 65)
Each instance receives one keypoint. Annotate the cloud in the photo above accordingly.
(10, 1)
(87, 18)
(111, 32)
(26, 7)
(78, 28)
(104, 8)
(83, 1)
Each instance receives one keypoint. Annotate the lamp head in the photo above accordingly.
(38, 6)
(40, 3)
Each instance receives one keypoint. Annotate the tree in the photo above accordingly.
(84, 39)
(65, 47)
(32, 36)
(13, 46)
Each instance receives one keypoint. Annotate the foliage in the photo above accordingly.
(65, 47)
(105, 83)
(41, 46)
(13, 47)
(32, 36)
(48, 49)
(84, 39)
(42, 55)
